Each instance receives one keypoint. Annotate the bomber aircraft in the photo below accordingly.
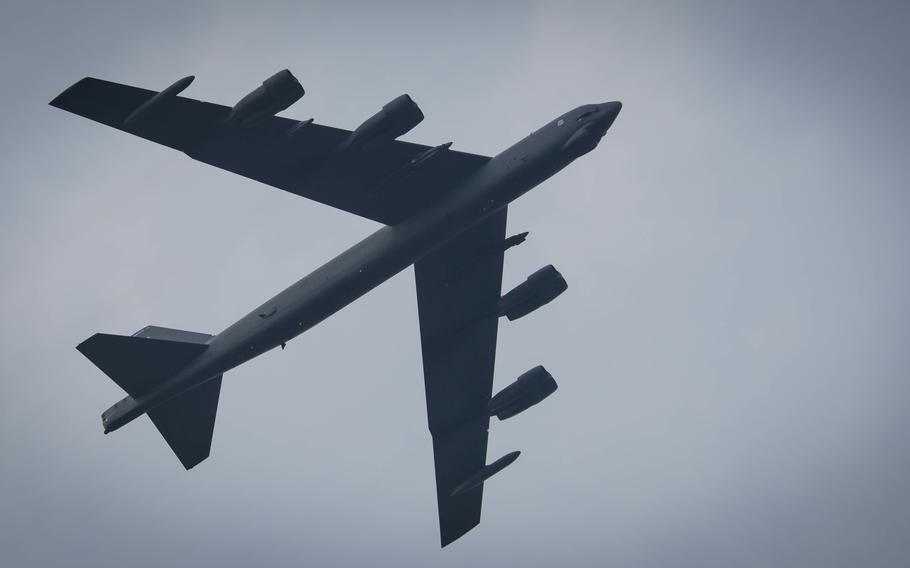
(443, 211)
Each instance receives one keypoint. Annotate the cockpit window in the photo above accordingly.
(584, 115)
(560, 122)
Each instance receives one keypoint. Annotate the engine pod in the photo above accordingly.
(276, 93)
(528, 389)
(397, 117)
(540, 288)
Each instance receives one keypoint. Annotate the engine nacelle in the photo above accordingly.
(395, 118)
(277, 93)
(527, 390)
(540, 288)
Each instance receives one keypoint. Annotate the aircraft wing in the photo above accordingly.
(378, 182)
(458, 287)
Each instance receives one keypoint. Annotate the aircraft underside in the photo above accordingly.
(444, 212)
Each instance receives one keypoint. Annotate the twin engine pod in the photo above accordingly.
(541, 288)
(277, 93)
(527, 390)
(396, 118)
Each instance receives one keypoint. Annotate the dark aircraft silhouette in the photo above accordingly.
(444, 211)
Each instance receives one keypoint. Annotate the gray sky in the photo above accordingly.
(732, 351)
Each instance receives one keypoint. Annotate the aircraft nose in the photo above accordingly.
(609, 112)
(612, 107)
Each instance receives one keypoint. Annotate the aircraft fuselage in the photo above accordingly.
(383, 254)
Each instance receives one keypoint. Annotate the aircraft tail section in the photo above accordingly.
(141, 362)
(187, 421)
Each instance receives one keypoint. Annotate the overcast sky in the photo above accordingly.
(732, 351)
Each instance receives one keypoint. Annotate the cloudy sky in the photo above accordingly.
(731, 352)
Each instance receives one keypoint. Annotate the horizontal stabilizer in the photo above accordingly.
(188, 420)
(155, 332)
(139, 363)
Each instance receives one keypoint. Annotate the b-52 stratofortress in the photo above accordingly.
(443, 211)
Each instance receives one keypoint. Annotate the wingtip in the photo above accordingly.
(59, 100)
(86, 343)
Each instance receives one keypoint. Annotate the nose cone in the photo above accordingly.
(594, 123)
(608, 113)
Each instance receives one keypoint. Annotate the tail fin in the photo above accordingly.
(141, 362)
(187, 421)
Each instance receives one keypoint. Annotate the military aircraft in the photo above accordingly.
(443, 211)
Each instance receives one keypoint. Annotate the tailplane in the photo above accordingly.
(141, 362)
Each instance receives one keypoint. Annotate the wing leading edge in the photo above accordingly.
(458, 287)
(388, 181)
